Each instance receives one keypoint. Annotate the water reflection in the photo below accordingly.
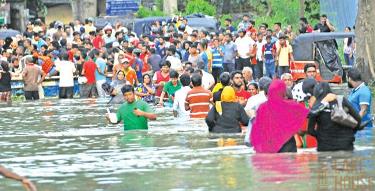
(64, 144)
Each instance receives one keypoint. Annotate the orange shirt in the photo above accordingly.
(199, 99)
(131, 76)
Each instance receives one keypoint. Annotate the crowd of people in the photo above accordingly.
(237, 79)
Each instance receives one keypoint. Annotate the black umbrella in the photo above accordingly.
(8, 33)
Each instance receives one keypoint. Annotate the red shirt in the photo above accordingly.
(98, 42)
(71, 55)
(199, 99)
(90, 68)
(243, 94)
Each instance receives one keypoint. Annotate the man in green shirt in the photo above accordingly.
(134, 113)
(170, 88)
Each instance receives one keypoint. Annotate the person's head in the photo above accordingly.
(354, 78)
(262, 29)
(282, 39)
(253, 88)
(185, 80)
(120, 75)
(308, 86)
(323, 19)
(225, 79)
(188, 65)
(196, 80)
(128, 93)
(189, 70)
(277, 90)
(310, 70)
(268, 39)
(260, 36)
(64, 56)
(228, 37)
(348, 29)
(241, 33)
(277, 26)
(216, 42)
(288, 79)
(321, 90)
(247, 73)
(245, 18)
(4, 65)
(30, 60)
(193, 48)
(173, 75)
(264, 84)
(202, 46)
(165, 66)
(228, 22)
(125, 63)
(237, 79)
(228, 94)
(146, 78)
(200, 65)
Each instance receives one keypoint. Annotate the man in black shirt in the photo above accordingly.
(324, 25)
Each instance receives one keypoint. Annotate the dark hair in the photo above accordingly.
(190, 70)
(64, 56)
(254, 84)
(278, 23)
(4, 65)
(166, 63)
(350, 39)
(196, 80)
(127, 88)
(304, 20)
(308, 65)
(229, 34)
(144, 75)
(225, 79)
(185, 80)
(173, 74)
(234, 73)
(324, 15)
(321, 90)
(203, 43)
(200, 65)
(355, 74)
(229, 20)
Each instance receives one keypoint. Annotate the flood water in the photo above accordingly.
(68, 145)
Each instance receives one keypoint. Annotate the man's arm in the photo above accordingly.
(148, 115)
(43, 76)
(363, 110)
(26, 182)
(330, 26)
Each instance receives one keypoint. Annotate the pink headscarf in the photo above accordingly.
(277, 120)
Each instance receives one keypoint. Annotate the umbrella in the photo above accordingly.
(8, 33)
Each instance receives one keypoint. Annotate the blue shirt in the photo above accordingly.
(359, 96)
(230, 52)
(217, 59)
(101, 63)
(204, 58)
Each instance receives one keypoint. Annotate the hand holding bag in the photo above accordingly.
(340, 116)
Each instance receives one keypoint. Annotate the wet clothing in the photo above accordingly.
(289, 146)
(131, 121)
(330, 135)
(229, 122)
(361, 95)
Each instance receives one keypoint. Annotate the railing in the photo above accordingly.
(56, 1)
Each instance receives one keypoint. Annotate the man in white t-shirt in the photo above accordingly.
(66, 70)
(244, 45)
(175, 62)
(180, 97)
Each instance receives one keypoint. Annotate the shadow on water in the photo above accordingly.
(68, 145)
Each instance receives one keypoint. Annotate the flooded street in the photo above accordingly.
(68, 145)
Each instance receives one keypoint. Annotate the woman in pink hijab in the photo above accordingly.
(277, 121)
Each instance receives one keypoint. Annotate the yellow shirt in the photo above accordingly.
(217, 87)
(284, 54)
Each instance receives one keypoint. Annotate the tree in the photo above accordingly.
(365, 39)
(200, 6)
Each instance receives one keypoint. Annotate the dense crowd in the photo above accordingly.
(235, 78)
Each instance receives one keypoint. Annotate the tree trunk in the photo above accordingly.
(301, 8)
(269, 8)
(365, 39)
(83, 9)
(17, 15)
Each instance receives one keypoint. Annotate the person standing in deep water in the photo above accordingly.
(134, 113)
(276, 122)
(331, 136)
(227, 115)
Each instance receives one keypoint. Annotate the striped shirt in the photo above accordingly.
(217, 59)
(198, 100)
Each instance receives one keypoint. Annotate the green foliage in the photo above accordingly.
(285, 12)
(146, 12)
(225, 16)
(200, 6)
(312, 10)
